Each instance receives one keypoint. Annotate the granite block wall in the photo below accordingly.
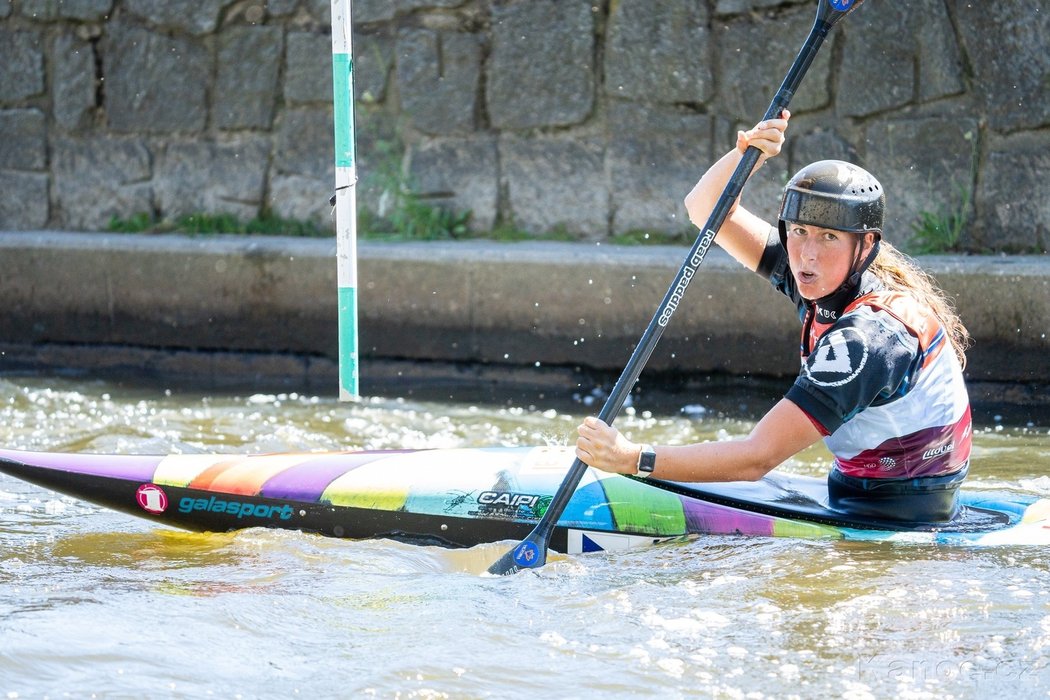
(592, 117)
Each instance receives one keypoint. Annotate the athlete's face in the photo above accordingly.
(821, 258)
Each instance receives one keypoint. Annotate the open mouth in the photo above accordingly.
(807, 277)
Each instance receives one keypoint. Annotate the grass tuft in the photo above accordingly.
(266, 224)
(941, 231)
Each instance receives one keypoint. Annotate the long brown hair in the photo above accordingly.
(902, 274)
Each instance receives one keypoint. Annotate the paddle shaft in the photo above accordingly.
(532, 551)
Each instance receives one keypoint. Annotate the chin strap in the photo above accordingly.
(830, 306)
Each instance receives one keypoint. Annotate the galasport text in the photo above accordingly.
(242, 509)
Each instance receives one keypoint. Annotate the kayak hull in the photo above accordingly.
(466, 497)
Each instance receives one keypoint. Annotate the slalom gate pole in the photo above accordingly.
(345, 196)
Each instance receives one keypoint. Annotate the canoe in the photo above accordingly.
(465, 497)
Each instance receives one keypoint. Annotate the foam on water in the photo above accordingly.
(97, 602)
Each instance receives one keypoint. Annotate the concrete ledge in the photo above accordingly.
(75, 299)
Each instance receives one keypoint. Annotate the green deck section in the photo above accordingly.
(640, 508)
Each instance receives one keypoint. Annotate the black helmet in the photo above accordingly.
(836, 195)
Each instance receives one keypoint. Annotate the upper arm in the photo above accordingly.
(743, 234)
(865, 359)
(782, 433)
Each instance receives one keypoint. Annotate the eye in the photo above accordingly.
(830, 236)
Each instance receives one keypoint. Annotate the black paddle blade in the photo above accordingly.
(831, 11)
(530, 553)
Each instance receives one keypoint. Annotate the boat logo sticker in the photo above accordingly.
(510, 505)
(839, 358)
(152, 498)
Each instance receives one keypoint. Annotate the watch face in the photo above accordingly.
(647, 461)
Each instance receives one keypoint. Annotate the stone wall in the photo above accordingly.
(589, 116)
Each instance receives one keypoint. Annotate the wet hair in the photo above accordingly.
(898, 272)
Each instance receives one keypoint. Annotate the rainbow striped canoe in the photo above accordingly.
(465, 497)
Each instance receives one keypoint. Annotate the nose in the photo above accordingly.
(808, 250)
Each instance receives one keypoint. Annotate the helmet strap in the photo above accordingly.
(830, 306)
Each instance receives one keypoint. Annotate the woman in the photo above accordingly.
(882, 352)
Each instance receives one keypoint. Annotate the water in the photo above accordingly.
(99, 604)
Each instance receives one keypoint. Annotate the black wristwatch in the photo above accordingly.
(646, 461)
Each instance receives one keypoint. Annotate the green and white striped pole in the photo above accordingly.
(345, 195)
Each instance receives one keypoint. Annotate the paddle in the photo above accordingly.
(532, 551)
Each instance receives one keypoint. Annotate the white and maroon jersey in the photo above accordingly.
(880, 381)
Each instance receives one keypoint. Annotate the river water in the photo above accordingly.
(99, 604)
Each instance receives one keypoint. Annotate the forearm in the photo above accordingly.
(729, 460)
(742, 234)
(782, 432)
(701, 200)
(746, 459)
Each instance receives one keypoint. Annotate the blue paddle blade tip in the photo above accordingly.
(526, 555)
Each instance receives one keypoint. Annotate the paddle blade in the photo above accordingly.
(831, 11)
(530, 553)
